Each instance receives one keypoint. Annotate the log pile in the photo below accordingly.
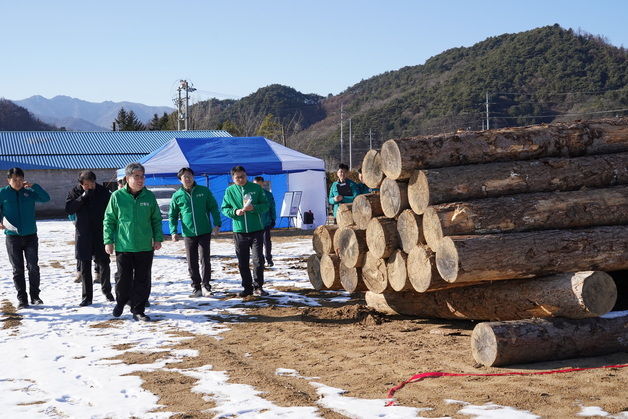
(500, 225)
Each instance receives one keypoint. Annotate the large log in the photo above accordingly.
(314, 272)
(323, 239)
(372, 174)
(399, 157)
(398, 272)
(393, 197)
(462, 183)
(375, 274)
(382, 237)
(344, 216)
(351, 279)
(571, 295)
(526, 212)
(364, 208)
(520, 341)
(422, 272)
(330, 272)
(350, 244)
(410, 228)
(524, 255)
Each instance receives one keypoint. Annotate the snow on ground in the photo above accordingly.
(56, 365)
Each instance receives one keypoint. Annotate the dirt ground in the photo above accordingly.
(349, 347)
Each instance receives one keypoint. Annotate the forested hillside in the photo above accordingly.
(16, 118)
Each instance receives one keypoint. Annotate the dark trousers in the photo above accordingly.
(198, 248)
(268, 246)
(133, 284)
(102, 266)
(19, 248)
(244, 243)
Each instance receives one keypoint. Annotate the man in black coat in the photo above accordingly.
(88, 200)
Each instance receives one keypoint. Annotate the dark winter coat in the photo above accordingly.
(89, 208)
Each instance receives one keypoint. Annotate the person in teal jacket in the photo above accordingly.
(245, 203)
(344, 190)
(193, 204)
(17, 219)
(269, 221)
(132, 228)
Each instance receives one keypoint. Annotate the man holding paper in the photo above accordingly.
(17, 212)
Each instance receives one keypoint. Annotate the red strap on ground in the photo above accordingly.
(419, 377)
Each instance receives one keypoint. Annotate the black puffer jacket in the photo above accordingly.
(90, 210)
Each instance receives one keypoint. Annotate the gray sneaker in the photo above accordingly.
(196, 293)
(260, 292)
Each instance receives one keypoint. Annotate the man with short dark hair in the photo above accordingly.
(245, 203)
(344, 190)
(88, 201)
(193, 204)
(133, 223)
(269, 221)
(17, 219)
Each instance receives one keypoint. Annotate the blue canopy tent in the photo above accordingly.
(212, 159)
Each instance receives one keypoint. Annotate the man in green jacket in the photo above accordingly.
(17, 219)
(192, 204)
(344, 190)
(245, 203)
(132, 228)
(269, 221)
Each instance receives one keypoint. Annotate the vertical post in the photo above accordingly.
(341, 142)
(187, 103)
(179, 115)
(488, 126)
(350, 149)
(370, 139)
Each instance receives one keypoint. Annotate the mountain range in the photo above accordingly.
(79, 115)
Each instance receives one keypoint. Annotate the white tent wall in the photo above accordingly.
(314, 198)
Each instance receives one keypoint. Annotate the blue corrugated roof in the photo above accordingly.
(85, 150)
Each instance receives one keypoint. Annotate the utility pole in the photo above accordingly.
(341, 140)
(487, 123)
(350, 149)
(183, 104)
(370, 139)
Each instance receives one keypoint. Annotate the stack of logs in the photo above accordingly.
(462, 221)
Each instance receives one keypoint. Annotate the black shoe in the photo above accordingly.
(208, 290)
(196, 293)
(245, 293)
(109, 297)
(36, 301)
(270, 263)
(22, 304)
(141, 317)
(260, 292)
(117, 310)
(85, 303)
(147, 303)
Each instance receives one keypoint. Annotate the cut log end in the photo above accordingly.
(418, 192)
(484, 345)
(447, 260)
(351, 279)
(419, 268)
(375, 274)
(372, 174)
(393, 197)
(397, 271)
(432, 228)
(314, 272)
(410, 228)
(323, 239)
(330, 271)
(598, 291)
(391, 159)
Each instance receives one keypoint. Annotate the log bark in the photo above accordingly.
(527, 212)
(323, 239)
(372, 174)
(524, 255)
(344, 216)
(399, 157)
(393, 197)
(330, 272)
(410, 229)
(570, 295)
(398, 272)
(375, 274)
(350, 244)
(462, 183)
(382, 237)
(521, 341)
(314, 272)
(364, 208)
(351, 279)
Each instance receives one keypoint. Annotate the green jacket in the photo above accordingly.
(193, 208)
(18, 207)
(270, 216)
(333, 192)
(132, 223)
(233, 199)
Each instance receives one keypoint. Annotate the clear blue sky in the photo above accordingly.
(137, 50)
